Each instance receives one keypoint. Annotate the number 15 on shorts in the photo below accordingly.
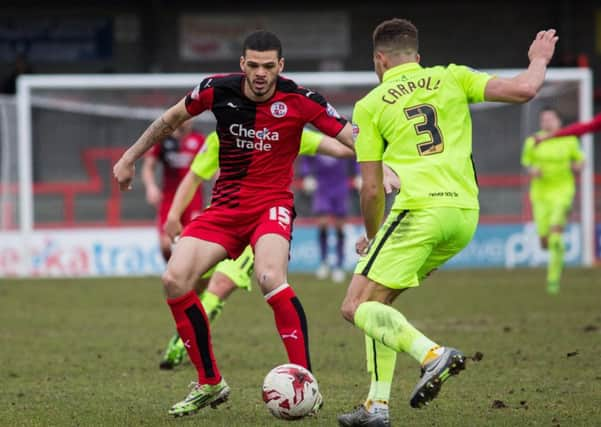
(280, 214)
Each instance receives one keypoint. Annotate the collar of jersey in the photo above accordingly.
(400, 69)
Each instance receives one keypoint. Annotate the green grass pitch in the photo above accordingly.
(85, 352)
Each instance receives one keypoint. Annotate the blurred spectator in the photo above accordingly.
(22, 66)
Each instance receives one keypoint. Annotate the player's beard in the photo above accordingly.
(260, 92)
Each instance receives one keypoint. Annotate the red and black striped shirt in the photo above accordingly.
(259, 141)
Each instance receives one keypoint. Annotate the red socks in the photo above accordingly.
(291, 323)
(193, 328)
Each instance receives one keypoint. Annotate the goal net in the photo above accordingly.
(8, 163)
(55, 166)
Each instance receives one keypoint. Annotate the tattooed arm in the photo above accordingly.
(124, 170)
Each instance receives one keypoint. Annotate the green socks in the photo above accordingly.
(556, 252)
(212, 305)
(390, 328)
(381, 362)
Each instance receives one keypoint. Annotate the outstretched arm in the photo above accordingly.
(578, 129)
(161, 128)
(525, 85)
(346, 136)
(183, 195)
(332, 147)
(575, 129)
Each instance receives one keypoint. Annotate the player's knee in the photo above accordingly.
(173, 287)
(268, 277)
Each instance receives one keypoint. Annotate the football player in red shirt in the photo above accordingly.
(260, 117)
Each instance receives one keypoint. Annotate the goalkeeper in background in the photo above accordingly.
(326, 179)
(551, 165)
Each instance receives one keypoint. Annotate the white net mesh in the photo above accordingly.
(77, 136)
(499, 131)
(8, 164)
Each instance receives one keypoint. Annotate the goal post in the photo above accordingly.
(346, 85)
(587, 197)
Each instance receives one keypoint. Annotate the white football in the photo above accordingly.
(290, 392)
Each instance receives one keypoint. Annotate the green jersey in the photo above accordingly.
(310, 141)
(554, 158)
(418, 122)
(206, 162)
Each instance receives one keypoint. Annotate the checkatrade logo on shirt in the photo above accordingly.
(251, 139)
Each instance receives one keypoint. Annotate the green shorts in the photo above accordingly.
(239, 270)
(549, 214)
(411, 244)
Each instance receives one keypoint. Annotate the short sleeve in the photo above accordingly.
(369, 144)
(200, 98)
(206, 162)
(321, 113)
(309, 144)
(471, 81)
(527, 152)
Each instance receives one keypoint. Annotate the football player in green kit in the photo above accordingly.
(418, 122)
(551, 165)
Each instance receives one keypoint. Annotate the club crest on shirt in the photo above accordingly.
(195, 93)
(191, 144)
(279, 109)
(355, 131)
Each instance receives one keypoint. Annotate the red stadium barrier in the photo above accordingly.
(69, 190)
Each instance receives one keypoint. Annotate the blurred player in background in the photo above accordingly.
(260, 117)
(229, 274)
(323, 177)
(551, 165)
(417, 121)
(174, 154)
